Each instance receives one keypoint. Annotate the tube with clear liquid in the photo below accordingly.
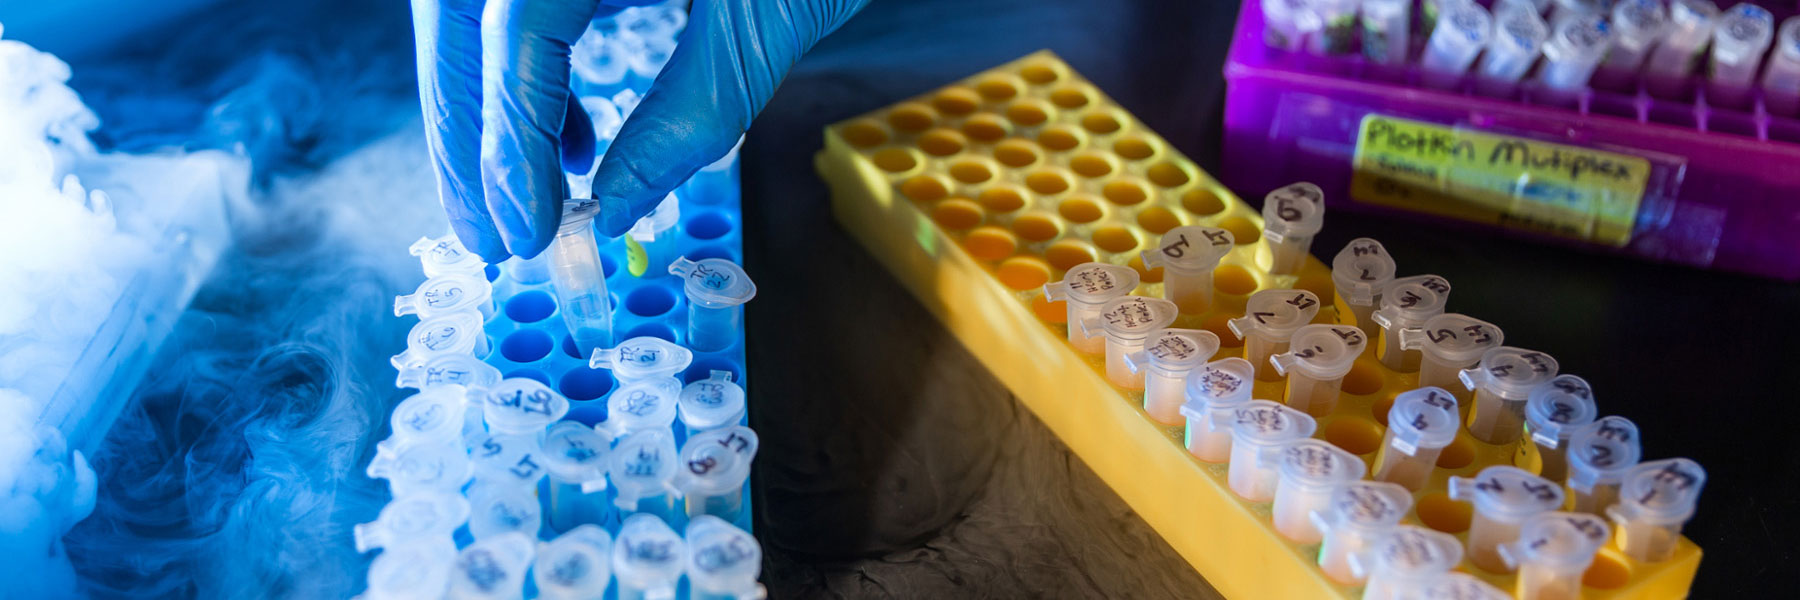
(716, 291)
(1359, 272)
(1406, 303)
(1553, 412)
(1503, 497)
(1259, 432)
(1318, 358)
(1502, 382)
(1126, 322)
(1655, 500)
(1270, 318)
(1738, 45)
(1358, 514)
(1309, 472)
(1781, 79)
(1086, 288)
(1215, 391)
(1462, 30)
(1167, 357)
(1690, 29)
(1421, 423)
(1447, 344)
(1554, 549)
(1187, 255)
(1599, 456)
(1292, 215)
(580, 279)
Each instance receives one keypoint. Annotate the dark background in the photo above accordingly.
(895, 465)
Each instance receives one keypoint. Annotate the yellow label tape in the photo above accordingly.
(1509, 181)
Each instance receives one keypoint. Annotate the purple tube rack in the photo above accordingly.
(1726, 189)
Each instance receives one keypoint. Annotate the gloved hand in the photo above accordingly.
(500, 174)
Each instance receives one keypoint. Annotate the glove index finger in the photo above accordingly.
(448, 38)
(525, 105)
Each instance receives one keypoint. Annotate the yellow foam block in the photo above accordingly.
(977, 194)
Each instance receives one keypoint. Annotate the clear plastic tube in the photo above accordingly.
(1406, 558)
(1292, 215)
(1359, 272)
(1357, 515)
(1504, 497)
(1259, 432)
(1599, 456)
(1637, 24)
(715, 467)
(1287, 23)
(716, 290)
(1502, 383)
(1310, 471)
(579, 278)
(577, 565)
(1573, 51)
(1215, 391)
(1554, 549)
(1655, 500)
(493, 568)
(1317, 359)
(1447, 344)
(1386, 27)
(1781, 79)
(1187, 255)
(1462, 30)
(1270, 318)
(1406, 303)
(647, 558)
(1690, 29)
(1087, 287)
(1167, 357)
(1739, 42)
(1421, 423)
(1553, 413)
(1126, 322)
(1518, 37)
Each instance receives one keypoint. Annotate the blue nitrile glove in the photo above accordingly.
(500, 175)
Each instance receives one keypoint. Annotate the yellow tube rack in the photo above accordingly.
(978, 193)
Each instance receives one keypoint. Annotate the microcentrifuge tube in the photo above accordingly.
(1554, 549)
(413, 466)
(642, 358)
(445, 256)
(520, 406)
(1359, 272)
(642, 470)
(1655, 500)
(1637, 26)
(647, 559)
(1317, 358)
(447, 369)
(1406, 558)
(715, 466)
(499, 510)
(577, 565)
(456, 333)
(1502, 382)
(1421, 423)
(643, 404)
(1357, 515)
(716, 291)
(448, 294)
(1167, 357)
(1447, 344)
(1086, 288)
(711, 403)
(722, 560)
(1781, 79)
(1599, 456)
(1563, 10)
(1125, 322)
(657, 233)
(1462, 30)
(1519, 35)
(1574, 49)
(575, 458)
(1270, 318)
(1536, 6)
(1286, 23)
(492, 568)
(1454, 586)
(434, 415)
(1309, 471)
(1215, 391)
(1337, 27)
(1187, 255)
(1739, 42)
(1292, 214)
(580, 279)
(1672, 60)
(1386, 30)
(1503, 498)
(1553, 412)
(1259, 430)
(411, 572)
(506, 460)
(1407, 302)
(426, 517)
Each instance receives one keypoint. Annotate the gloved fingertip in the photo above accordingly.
(480, 241)
(529, 244)
(578, 140)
